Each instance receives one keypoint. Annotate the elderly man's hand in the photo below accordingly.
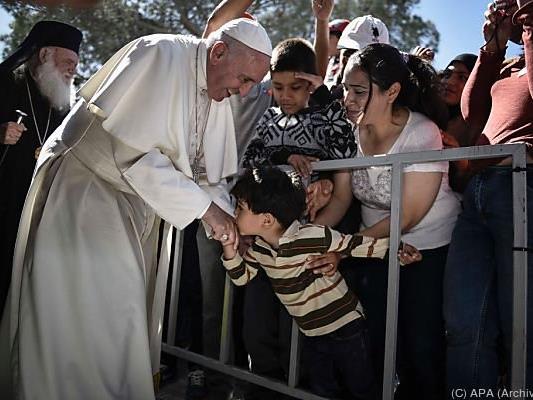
(10, 132)
(222, 225)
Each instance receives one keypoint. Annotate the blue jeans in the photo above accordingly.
(339, 363)
(478, 284)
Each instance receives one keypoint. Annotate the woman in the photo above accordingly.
(478, 290)
(453, 80)
(395, 107)
(458, 133)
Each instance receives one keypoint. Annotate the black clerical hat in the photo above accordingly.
(44, 33)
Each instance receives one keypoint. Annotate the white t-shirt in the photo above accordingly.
(372, 186)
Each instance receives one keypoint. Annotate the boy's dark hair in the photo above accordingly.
(293, 55)
(270, 190)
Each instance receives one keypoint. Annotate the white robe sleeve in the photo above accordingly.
(173, 196)
(142, 96)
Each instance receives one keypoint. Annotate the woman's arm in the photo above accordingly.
(341, 199)
(420, 190)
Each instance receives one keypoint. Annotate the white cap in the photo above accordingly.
(248, 32)
(363, 31)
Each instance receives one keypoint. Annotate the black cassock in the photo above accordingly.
(18, 164)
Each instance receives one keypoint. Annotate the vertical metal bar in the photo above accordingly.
(518, 363)
(294, 363)
(393, 284)
(227, 322)
(175, 288)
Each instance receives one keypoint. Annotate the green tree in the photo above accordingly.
(113, 23)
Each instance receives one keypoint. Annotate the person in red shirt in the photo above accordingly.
(478, 287)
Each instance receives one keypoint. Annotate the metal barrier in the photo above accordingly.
(397, 161)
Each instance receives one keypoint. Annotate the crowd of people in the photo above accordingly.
(194, 132)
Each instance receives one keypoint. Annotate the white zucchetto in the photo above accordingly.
(248, 32)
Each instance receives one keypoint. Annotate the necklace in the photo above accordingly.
(199, 134)
(43, 137)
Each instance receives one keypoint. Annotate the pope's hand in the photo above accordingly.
(10, 132)
(222, 225)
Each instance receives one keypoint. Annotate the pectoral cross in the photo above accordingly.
(196, 169)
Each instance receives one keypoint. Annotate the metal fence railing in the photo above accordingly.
(397, 161)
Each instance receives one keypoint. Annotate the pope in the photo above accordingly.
(151, 137)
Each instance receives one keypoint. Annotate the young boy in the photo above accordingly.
(327, 313)
(295, 133)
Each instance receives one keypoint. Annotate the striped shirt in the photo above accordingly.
(319, 304)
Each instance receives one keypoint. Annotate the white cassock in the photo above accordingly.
(82, 322)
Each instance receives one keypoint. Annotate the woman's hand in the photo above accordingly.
(302, 164)
(318, 196)
(326, 264)
(449, 141)
(408, 254)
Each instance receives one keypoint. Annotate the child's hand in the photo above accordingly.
(244, 243)
(302, 164)
(230, 244)
(449, 141)
(315, 81)
(229, 252)
(408, 254)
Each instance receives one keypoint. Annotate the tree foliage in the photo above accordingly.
(113, 23)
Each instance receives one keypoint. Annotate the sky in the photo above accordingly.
(458, 21)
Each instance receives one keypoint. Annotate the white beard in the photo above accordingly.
(53, 85)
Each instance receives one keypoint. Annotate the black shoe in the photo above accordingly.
(196, 388)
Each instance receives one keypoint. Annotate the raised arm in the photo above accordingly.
(225, 12)
(322, 11)
(476, 100)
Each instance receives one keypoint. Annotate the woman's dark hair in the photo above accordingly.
(419, 82)
(293, 55)
(270, 190)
